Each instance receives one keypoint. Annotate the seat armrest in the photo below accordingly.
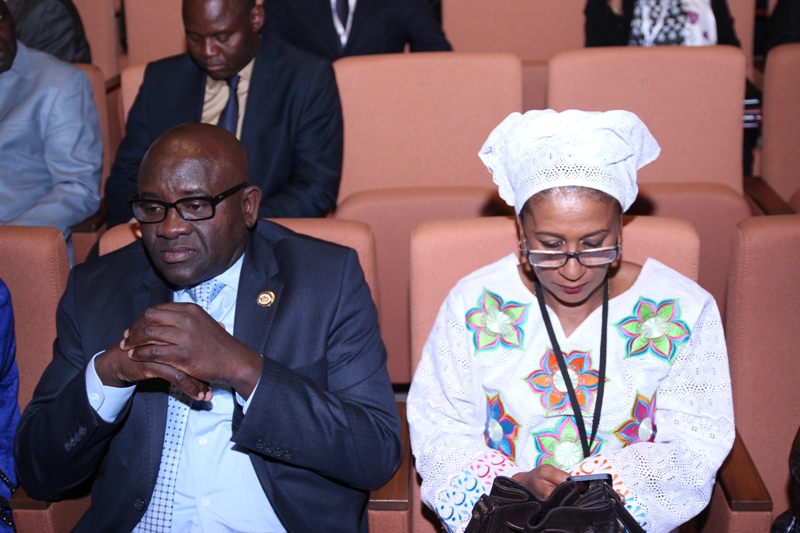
(20, 501)
(741, 483)
(765, 197)
(395, 494)
(113, 83)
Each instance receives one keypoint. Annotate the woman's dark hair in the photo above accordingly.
(583, 192)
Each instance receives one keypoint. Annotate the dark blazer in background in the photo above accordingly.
(379, 27)
(604, 28)
(51, 26)
(322, 427)
(292, 130)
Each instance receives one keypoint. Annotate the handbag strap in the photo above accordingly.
(586, 443)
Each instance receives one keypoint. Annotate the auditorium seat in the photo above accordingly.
(533, 30)
(102, 32)
(763, 314)
(691, 100)
(155, 30)
(781, 126)
(414, 124)
(442, 252)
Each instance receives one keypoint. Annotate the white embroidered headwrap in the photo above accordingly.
(544, 149)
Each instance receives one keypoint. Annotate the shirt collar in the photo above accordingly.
(229, 278)
(246, 73)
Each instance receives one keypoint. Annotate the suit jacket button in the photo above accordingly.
(278, 452)
(260, 444)
(139, 504)
(82, 431)
(67, 446)
(287, 454)
(269, 448)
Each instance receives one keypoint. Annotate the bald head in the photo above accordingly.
(193, 185)
(204, 145)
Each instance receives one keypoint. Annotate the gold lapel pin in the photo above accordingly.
(266, 299)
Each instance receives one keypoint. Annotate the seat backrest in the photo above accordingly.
(420, 119)
(34, 265)
(533, 30)
(762, 315)
(442, 252)
(102, 33)
(99, 96)
(350, 233)
(130, 80)
(155, 30)
(691, 99)
(781, 126)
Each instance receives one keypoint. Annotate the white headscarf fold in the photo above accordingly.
(540, 150)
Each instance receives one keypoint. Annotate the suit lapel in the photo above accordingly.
(15, 81)
(360, 16)
(259, 275)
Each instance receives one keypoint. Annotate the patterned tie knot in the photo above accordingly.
(233, 83)
(205, 293)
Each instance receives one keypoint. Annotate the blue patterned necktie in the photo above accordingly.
(158, 517)
(229, 119)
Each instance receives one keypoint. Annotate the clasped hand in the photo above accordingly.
(181, 343)
(542, 480)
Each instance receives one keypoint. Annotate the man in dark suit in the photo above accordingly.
(51, 26)
(265, 406)
(286, 111)
(332, 29)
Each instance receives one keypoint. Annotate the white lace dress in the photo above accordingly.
(488, 398)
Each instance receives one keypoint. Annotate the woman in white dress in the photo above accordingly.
(642, 346)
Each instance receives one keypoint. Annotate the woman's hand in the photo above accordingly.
(542, 480)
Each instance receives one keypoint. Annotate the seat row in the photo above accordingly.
(763, 309)
(415, 122)
(534, 31)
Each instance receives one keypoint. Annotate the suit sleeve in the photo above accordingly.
(73, 152)
(9, 388)
(317, 154)
(424, 32)
(61, 440)
(121, 184)
(355, 421)
(604, 27)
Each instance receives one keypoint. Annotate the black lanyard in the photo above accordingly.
(562, 365)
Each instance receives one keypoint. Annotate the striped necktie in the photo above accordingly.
(229, 119)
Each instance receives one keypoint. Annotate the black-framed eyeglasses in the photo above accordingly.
(557, 259)
(192, 208)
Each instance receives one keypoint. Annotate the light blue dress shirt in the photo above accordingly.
(51, 151)
(217, 488)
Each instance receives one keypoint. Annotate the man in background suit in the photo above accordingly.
(50, 146)
(52, 26)
(286, 111)
(267, 409)
(332, 29)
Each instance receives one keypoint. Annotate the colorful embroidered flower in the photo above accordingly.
(501, 429)
(551, 385)
(561, 446)
(496, 323)
(642, 425)
(654, 327)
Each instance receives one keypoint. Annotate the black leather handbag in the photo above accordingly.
(581, 505)
(789, 522)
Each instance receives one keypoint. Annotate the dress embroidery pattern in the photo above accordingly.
(654, 327)
(551, 385)
(496, 323)
(642, 425)
(456, 502)
(561, 446)
(501, 429)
